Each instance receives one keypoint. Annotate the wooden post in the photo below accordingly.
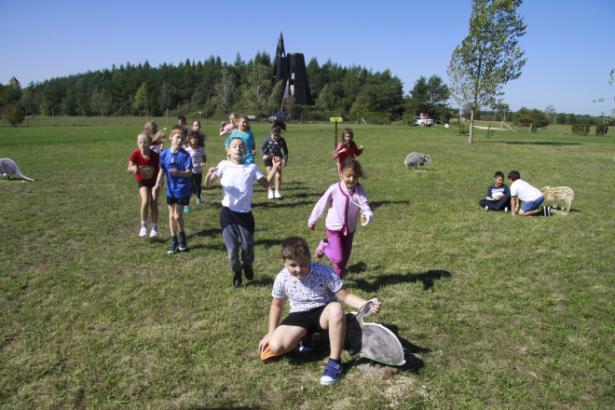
(335, 136)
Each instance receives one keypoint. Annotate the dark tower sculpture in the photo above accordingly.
(290, 68)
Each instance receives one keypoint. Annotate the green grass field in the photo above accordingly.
(494, 311)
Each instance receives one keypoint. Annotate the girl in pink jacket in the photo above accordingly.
(344, 201)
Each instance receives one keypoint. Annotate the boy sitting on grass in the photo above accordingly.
(315, 293)
(498, 194)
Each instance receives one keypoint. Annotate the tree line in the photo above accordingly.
(213, 87)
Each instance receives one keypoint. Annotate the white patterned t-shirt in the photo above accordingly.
(317, 289)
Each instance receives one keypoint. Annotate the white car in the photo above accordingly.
(425, 122)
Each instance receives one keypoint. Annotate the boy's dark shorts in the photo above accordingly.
(149, 183)
(309, 320)
(179, 201)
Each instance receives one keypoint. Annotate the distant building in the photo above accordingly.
(290, 68)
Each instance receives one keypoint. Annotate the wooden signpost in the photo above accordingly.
(335, 120)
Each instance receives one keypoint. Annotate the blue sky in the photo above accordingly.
(569, 45)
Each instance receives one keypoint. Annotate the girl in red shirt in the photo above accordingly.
(145, 164)
(346, 149)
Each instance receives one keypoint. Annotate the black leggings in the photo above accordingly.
(196, 184)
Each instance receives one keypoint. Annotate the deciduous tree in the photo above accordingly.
(489, 56)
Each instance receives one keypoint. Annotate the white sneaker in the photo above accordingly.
(486, 208)
(277, 195)
(143, 232)
(153, 233)
(506, 209)
(270, 194)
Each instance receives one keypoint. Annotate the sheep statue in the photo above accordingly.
(559, 197)
(414, 159)
(8, 168)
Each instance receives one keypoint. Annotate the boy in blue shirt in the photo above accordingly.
(176, 164)
(498, 194)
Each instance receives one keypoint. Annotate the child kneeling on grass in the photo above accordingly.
(315, 293)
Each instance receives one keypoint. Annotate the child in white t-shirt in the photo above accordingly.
(236, 219)
(520, 191)
(314, 293)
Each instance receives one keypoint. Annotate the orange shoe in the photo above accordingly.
(267, 355)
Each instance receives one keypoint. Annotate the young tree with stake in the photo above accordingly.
(489, 56)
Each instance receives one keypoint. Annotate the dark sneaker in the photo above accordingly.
(332, 373)
(248, 272)
(306, 344)
(182, 242)
(173, 246)
(237, 279)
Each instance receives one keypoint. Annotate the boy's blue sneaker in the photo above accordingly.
(306, 344)
(186, 209)
(173, 246)
(182, 245)
(332, 373)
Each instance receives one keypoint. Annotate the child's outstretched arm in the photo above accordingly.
(210, 177)
(158, 183)
(275, 312)
(132, 168)
(265, 181)
(356, 301)
(323, 204)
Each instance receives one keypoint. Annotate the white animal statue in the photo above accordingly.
(8, 168)
(558, 197)
(414, 159)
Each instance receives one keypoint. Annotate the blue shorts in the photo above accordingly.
(532, 205)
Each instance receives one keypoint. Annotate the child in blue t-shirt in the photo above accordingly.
(176, 165)
(498, 195)
(244, 132)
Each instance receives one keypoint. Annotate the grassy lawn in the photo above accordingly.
(494, 311)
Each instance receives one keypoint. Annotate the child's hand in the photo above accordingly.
(376, 306)
(265, 157)
(264, 343)
(277, 161)
(360, 147)
(211, 171)
(311, 226)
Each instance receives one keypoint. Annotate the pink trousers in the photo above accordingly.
(338, 250)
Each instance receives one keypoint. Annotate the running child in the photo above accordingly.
(176, 164)
(346, 149)
(275, 146)
(196, 127)
(316, 295)
(157, 137)
(244, 132)
(199, 157)
(144, 165)
(226, 128)
(344, 202)
(236, 219)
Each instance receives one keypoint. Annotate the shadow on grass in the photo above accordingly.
(533, 142)
(357, 267)
(426, 278)
(281, 204)
(262, 282)
(207, 232)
